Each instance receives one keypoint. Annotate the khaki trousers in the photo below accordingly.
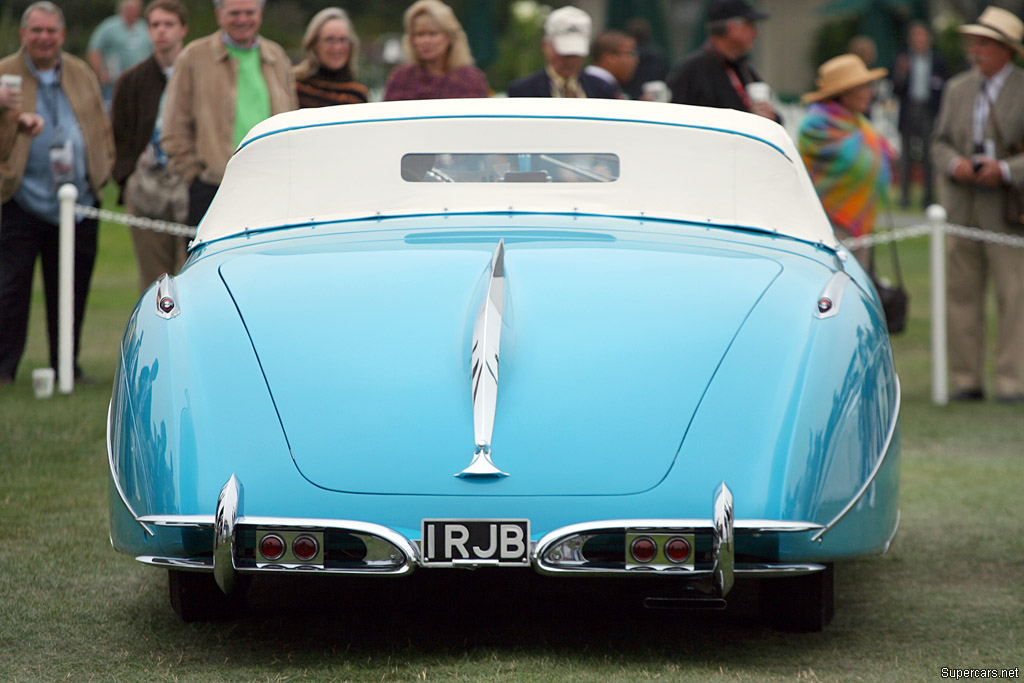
(970, 266)
(157, 253)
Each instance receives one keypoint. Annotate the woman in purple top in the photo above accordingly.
(439, 62)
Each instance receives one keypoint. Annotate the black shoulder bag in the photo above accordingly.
(894, 296)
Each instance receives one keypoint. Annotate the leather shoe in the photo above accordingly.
(1011, 399)
(968, 395)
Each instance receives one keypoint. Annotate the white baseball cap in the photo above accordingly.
(568, 29)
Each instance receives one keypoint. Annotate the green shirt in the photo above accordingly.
(252, 103)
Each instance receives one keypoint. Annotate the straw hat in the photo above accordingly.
(998, 24)
(840, 74)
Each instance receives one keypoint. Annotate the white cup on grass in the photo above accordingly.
(42, 382)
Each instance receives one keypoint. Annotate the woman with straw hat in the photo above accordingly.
(848, 160)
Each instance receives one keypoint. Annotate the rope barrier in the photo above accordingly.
(911, 231)
(177, 229)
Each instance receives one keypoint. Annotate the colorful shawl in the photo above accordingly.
(849, 163)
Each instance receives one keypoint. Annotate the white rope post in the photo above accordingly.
(940, 380)
(67, 194)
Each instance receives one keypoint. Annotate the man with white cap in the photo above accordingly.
(977, 145)
(566, 45)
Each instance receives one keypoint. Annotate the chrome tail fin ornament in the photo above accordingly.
(484, 360)
(723, 546)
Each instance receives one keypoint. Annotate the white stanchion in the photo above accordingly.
(940, 379)
(67, 194)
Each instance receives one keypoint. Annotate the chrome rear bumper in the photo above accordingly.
(560, 552)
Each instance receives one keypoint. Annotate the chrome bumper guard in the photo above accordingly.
(557, 553)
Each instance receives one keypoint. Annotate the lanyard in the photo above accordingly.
(738, 85)
(734, 78)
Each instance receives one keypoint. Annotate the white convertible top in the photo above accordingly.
(676, 162)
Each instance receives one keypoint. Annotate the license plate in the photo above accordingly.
(471, 542)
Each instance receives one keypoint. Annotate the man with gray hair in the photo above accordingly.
(718, 74)
(222, 86)
(75, 146)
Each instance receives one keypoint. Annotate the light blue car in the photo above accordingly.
(578, 337)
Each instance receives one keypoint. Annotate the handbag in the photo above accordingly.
(156, 191)
(894, 296)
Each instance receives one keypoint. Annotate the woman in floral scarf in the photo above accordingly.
(848, 160)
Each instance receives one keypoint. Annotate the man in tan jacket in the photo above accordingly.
(222, 86)
(76, 146)
(976, 148)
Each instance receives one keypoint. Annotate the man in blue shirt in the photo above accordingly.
(76, 146)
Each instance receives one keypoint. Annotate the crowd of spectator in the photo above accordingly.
(177, 112)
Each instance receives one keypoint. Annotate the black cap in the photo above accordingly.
(721, 10)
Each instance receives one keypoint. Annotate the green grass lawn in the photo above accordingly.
(950, 592)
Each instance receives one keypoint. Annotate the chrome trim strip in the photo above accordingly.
(762, 571)
(205, 565)
(113, 473)
(187, 521)
(778, 571)
(833, 295)
(191, 564)
(484, 363)
(166, 297)
(228, 503)
(874, 472)
(723, 548)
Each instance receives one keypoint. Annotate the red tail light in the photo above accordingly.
(643, 549)
(305, 548)
(272, 547)
(677, 549)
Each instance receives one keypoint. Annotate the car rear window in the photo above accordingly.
(531, 167)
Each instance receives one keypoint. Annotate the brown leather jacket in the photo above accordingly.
(199, 113)
(83, 93)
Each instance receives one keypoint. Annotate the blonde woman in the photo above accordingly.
(439, 62)
(327, 74)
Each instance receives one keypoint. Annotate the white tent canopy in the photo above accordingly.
(707, 166)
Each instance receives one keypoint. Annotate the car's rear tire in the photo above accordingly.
(799, 603)
(195, 596)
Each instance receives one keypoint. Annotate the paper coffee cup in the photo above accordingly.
(656, 91)
(12, 81)
(42, 382)
(759, 92)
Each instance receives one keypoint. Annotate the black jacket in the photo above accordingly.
(133, 113)
(538, 84)
(703, 80)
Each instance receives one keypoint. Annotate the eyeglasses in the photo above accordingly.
(334, 40)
